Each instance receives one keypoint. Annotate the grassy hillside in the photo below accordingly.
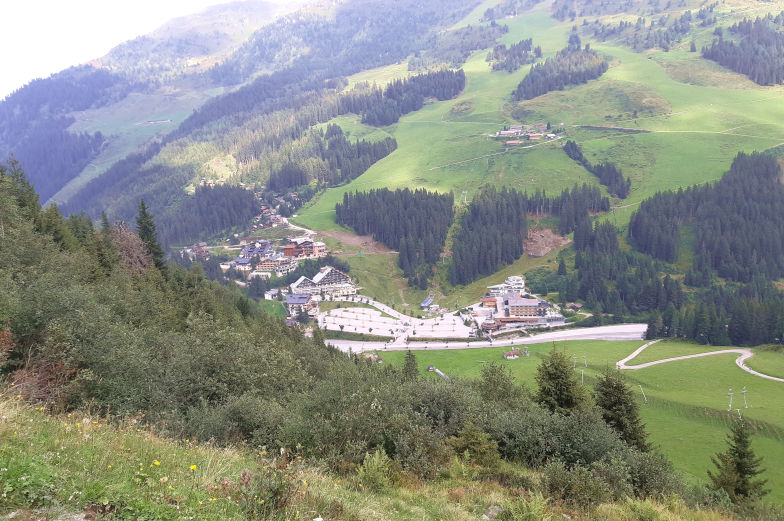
(686, 414)
(79, 463)
(698, 116)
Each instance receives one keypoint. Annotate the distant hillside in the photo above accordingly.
(192, 43)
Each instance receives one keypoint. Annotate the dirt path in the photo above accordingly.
(744, 353)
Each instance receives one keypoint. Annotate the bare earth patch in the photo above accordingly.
(364, 242)
(541, 242)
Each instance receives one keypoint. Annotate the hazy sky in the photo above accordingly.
(41, 37)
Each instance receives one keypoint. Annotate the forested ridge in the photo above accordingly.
(414, 222)
(570, 66)
(34, 124)
(760, 52)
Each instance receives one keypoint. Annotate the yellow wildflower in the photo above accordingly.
(193, 468)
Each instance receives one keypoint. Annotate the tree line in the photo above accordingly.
(414, 222)
(643, 34)
(210, 211)
(345, 160)
(737, 222)
(760, 52)
(452, 48)
(570, 66)
(609, 175)
(513, 57)
(407, 95)
(490, 234)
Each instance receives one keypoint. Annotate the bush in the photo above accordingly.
(480, 447)
(651, 475)
(508, 475)
(375, 471)
(578, 486)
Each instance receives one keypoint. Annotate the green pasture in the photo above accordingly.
(272, 307)
(379, 277)
(120, 123)
(767, 362)
(694, 128)
(686, 414)
(670, 349)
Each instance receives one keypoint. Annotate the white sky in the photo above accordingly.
(41, 37)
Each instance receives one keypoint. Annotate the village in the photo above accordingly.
(516, 135)
(507, 309)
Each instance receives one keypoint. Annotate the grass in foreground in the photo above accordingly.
(59, 465)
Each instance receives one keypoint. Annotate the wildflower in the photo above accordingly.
(192, 468)
(156, 463)
(108, 466)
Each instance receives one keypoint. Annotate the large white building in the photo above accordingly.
(327, 281)
(513, 284)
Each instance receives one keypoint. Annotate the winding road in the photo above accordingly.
(744, 354)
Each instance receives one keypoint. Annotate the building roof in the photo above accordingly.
(522, 302)
(297, 299)
(425, 303)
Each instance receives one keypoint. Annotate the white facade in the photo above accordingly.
(513, 284)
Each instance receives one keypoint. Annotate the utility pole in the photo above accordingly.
(645, 398)
(731, 394)
(745, 403)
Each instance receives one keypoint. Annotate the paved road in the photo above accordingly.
(617, 332)
(744, 354)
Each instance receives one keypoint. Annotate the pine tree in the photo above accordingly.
(559, 389)
(619, 409)
(738, 465)
(410, 369)
(145, 228)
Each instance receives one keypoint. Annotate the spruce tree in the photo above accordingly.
(410, 369)
(559, 389)
(737, 467)
(145, 228)
(619, 409)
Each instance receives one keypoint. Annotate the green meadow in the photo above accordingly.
(686, 414)
(693, 126)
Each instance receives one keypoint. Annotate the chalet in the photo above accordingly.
(296, 303)
(273, 294)
(535, 136)
(426, 303)
(516, 128)
(263, 275)
(328, 281)
(513, 355)
(507, 133)
(241, 264)
(490, 302)
(513, 142)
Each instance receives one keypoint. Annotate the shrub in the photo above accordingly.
(651, 474)
(533, 509)
(482, 449)
(578, 486)
(375, 471)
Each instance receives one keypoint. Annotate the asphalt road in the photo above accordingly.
(616, 332)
